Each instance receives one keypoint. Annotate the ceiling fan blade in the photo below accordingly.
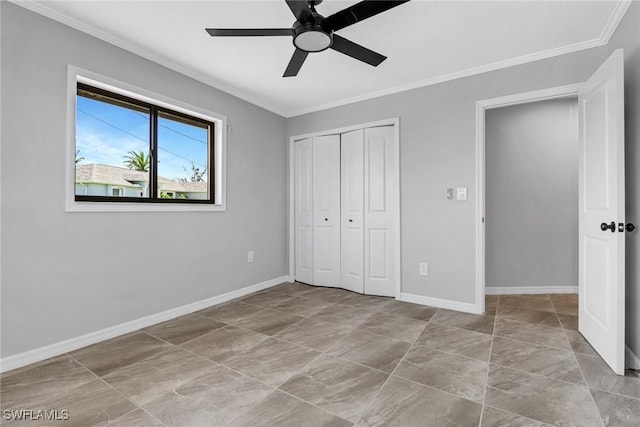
(300, 9)
(358, 12)
(356, 51)
(249, 32)
(296, 63)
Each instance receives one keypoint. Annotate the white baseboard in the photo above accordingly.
(632, 361)
(440, 303)
(529, 290)
(21, 359)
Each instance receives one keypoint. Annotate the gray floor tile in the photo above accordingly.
(314, 333)
(266, 298)
(490, 305)
(303, 307)
(522, 314)
(601, 377)
(568, 321)
(182, 329)
(472, 322)
(327, 294)
(407, 309)
(617, 411)
(272, 361)
(537, 359)
(136, 418)
(214, 399)
(366, 302)
(579, 344)
(116, 353)
(268, 322)
(492, 417)
(540, 398)
(152, 377)
(343, 314)
(406, 404)
(224, 343)
(231, 312)
(535, 334)
(456, 340)
(281, 410)
(529, 302)
(30, 387)
(340, 387)
(398, 327)
(460, 375)
(565, 303)
(371, 350)
(440, 379)
(293, 288)
(91, 404)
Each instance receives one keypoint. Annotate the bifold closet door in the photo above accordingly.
(326, 210)
(303, 210)
(381, 200)
(352, 210)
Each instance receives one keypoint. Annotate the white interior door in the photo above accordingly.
(380, 201)
(352, 205)
(326, 210)
(601, 203)
(303, 210)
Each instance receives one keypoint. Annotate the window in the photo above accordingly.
(131, 150)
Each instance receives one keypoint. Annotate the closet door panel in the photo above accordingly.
(380, 201)
(326, 210)
(352, 208)
(303, 210)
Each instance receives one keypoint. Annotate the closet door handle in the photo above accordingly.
(350, 220)
(326, 219)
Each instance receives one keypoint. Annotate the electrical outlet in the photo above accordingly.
(250, 256)
(423, 268)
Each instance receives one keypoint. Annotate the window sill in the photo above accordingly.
(141, 207)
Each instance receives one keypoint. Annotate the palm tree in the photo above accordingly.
(78, 158)
(138, 161)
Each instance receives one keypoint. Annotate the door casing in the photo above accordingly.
(569, 91)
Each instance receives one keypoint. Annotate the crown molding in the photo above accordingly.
(614, 20)
(604, 38)
(41, 9)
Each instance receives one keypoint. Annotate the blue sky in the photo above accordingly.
(105, 133)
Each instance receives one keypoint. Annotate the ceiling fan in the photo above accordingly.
(313, 32)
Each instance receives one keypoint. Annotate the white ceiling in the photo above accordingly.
(425, 41)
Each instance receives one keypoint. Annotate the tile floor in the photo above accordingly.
(296, 355)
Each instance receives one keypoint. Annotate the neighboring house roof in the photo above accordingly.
(96, 173)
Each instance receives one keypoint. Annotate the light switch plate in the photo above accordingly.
(461, 193)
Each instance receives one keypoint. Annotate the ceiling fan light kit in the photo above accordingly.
(310, 37)
(314, 33)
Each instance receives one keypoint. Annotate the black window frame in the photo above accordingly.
(154, 110)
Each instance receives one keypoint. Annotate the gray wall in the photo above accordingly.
(67, 274)
(531, 194)
(437, 144)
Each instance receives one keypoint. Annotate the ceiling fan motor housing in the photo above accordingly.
(311, 37)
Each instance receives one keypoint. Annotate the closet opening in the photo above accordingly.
(345, 208)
